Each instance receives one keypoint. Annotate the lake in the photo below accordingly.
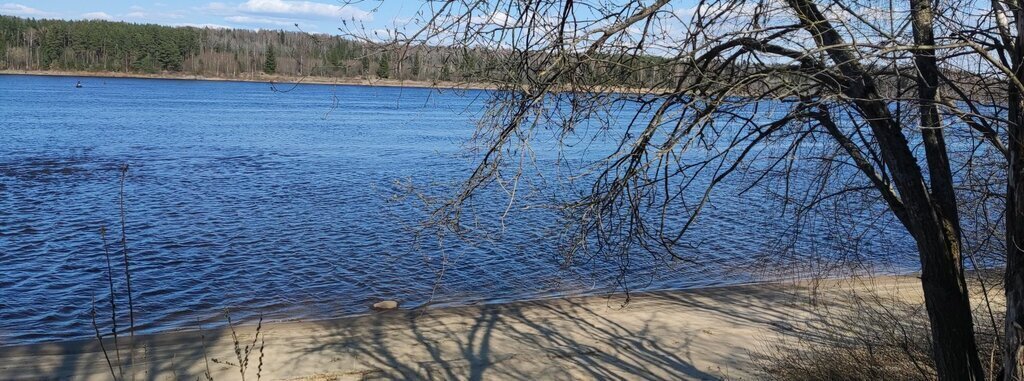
(286, 204)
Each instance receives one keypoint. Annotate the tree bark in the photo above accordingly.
(1014, 276)
(953, 343)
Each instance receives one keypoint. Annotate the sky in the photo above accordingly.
(323, 16)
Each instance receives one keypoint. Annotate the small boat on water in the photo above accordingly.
(78, 85)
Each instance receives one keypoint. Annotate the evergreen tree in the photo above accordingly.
(3, 54)
(168, 55)
(51, 49)
(416, 65)
(270, 66)
(365, 63)
(446, 72)
(145, 64)
(336, 55)
(384, 66)
(467, 67)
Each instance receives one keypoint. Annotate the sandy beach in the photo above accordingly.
(693, 334)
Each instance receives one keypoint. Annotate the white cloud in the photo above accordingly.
(143, 14)
(290, 9)
(97, 16)
(499, 19)
(203, 26)
(22, 10)
(257, 20)
(382, 34)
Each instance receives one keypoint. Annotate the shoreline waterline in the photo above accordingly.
(569, 337)
(306, 80)
(454, 302)
(283, 80)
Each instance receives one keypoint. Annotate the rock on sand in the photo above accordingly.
(385, 305)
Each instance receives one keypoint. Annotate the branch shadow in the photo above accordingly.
(571, 338)
(701, 334)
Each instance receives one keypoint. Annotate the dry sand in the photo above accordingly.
(693, 334)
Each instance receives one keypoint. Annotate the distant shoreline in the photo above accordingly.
(262, 78)
(281, 79)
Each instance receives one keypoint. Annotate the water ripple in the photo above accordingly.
(241, 199)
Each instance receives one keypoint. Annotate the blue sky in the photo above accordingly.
(323, 16)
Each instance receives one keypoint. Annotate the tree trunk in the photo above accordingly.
(946, 295)
(949, 311)
(1014, 276)
(930, 218)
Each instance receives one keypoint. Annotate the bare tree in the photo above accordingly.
(912, 105)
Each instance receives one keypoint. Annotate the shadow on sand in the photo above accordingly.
(695, 335)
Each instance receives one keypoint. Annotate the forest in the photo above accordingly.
(95, 45)
(104, 46)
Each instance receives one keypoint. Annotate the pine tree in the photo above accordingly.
(365, 63)
(145, 64)
(416, 65)
(168, 55)
(270, 66)
(51, 48)
(3, 54)
(336, 55)
(446, 72)
(383, 66)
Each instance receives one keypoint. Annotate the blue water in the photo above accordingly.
(291, 204)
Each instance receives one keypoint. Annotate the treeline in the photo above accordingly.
(30, 44)
(94, 45)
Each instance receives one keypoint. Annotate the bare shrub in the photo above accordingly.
(125, 368)
(873, 337)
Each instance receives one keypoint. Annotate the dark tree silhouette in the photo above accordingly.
(270, 64)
